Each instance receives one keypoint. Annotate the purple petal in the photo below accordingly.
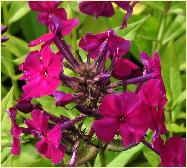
(105, 128)
(128, 6)
(62, 98)
(42, 87)
(43, 18)
(124, 69)
(15, 146)
(157, 141)
(151, 92)
(15, 131)
(54, 136)
(44, 38)
(131, 134)
(43, 6)
(43, 148)
(57, 154)
(110, 106)
(67, 26)
(97, 8)
(39, 122)
(119, 46)
(25, 105)
(173, 154)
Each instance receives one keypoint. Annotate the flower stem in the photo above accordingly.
(146, 143)
(67, 124)
(102, 155)
(64, 49)
(136, 80)
(74, 155)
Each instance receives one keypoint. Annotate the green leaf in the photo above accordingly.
(176, 128)
(48, 104)
(132, 29)
(6, 142)
(29, 157)
(179, 100)
(180, 45)
(152, 158)
(6, 158)
(92, 25)
(177, 8)
(124, 157)
(175, 29)
(155, 5)
(34, 29)
(7, 63)
(7, 102)
(171, 72)
(16, 46)
(17, 11)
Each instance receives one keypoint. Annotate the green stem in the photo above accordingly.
(102, 155)
(5, 13)
(162, 26)
(170, 122)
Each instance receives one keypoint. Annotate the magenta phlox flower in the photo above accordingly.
(122, 113)
(15, 131)
(153, 91)
(151, 65)
(41, 71)
(50, 140)
(99, 8)
(153, 95)
(45, 8)
(117, 46)
(55, 18)
(125, 69)
(173, 152)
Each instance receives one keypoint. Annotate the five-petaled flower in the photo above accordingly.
(117, 46)
(125, 113)
(41, 71)
(50, 140)
(55, 18)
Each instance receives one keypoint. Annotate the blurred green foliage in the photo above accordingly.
(154, 25)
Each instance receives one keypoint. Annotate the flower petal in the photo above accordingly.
(110, 106)
(68, 25)
(43, 6)
(43, 148)
(39, 122)
(44, 38)
(173, 154)
(62, 98)
(105, 128)
(54, 136)
(131, 133)
(123, 69)
(97, 8)
(118, 46)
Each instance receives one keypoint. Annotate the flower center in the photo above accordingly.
(45, 73)
(121, 118)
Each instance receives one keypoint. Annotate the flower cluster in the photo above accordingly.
(128, 113)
